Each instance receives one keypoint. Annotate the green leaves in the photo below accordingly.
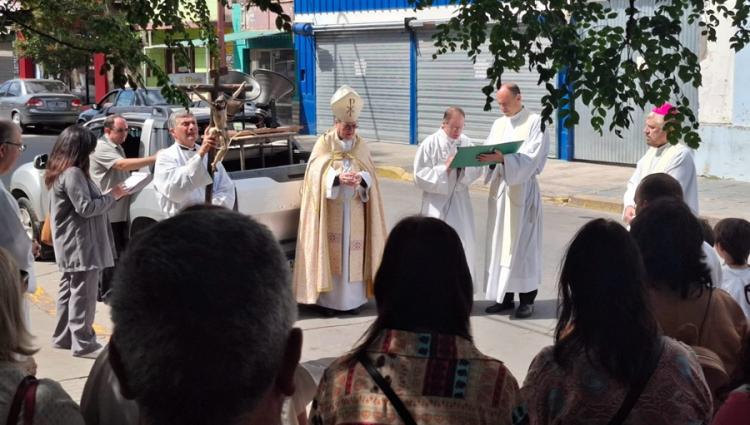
(62, 34)
(616, 61)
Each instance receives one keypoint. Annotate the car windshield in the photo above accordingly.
(46, 87)
(154, 97)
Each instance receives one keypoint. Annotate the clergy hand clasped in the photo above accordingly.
(494, 157)
(350, 179)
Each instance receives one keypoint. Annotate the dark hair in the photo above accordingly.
(423, 283)
(733, 234)
(201, 327)
(671, 243)
(658, 185)
(451, 111)
(708, 232)
(604, 311)
(72, 149)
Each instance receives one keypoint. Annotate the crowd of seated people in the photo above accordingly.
(645, 335)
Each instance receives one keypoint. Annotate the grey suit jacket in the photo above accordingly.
(81, 233)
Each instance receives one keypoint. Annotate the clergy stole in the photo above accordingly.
(513, 194)
(356, 223)
(653, 164)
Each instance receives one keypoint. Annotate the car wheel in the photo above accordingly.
(33, 227)
(16, 118)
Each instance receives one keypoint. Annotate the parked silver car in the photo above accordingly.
(38, 103)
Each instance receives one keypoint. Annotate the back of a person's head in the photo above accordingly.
(423, 282)
(733, 237)
(202, 310)
(655, 186)
(15, 338)
(671, 242)
(603, 304)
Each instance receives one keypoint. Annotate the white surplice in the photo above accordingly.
(181, 177)
(345, 295)
(675, 160)
(519, 269)
(446, 195)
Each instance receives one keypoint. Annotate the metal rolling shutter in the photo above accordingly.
(453, 80)
(590, 145)
(376, 64)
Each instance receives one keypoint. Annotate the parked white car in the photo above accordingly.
(268, 188)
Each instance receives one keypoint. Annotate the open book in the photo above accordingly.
(137, 181)
(466, 156)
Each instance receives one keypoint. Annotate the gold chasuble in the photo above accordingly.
(319, 239)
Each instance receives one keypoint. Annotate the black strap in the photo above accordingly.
(637, 388)
(26, 396)
(401, 409)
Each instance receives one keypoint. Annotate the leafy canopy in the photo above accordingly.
(62, 34)
(610, 68)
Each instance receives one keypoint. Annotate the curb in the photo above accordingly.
(590, 202)
(41, 299)
(393, 173)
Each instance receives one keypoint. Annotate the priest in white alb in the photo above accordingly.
(662, 157)
(445, 191)
(513, 260)
(342, 228)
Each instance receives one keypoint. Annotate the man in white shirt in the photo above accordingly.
(13, 236)
(445, 191)
(514, 226)
(181, 174)
(662, 157)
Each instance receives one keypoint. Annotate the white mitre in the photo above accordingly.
(346, 104)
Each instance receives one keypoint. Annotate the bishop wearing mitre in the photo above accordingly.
(342, 228)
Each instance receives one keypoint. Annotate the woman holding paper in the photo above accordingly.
(81, 236)
(445, 189)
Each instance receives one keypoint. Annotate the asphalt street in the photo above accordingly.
(513, 341)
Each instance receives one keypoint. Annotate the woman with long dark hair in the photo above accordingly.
(420, 344)
(683, 297)
(608, 348)
(81, 236)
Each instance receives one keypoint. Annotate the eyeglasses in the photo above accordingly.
(21, 147)
(119, 130)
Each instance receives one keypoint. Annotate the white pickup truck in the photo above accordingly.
(267, 172)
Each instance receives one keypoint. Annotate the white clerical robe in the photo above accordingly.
(675, 160)
(513, 259)
(446, 195)
(345, 295)
(181, 177)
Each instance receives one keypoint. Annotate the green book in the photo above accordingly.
(466, 156)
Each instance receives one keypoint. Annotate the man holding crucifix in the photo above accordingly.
(181, 171)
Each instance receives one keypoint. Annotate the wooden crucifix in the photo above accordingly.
(222, 107)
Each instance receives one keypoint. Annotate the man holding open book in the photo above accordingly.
(514, 225)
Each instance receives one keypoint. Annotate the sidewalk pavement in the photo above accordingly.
(579, 184)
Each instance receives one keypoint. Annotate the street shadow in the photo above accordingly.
(543, 309)
(312, 311)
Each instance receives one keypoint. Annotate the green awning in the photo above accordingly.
(249, 34)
